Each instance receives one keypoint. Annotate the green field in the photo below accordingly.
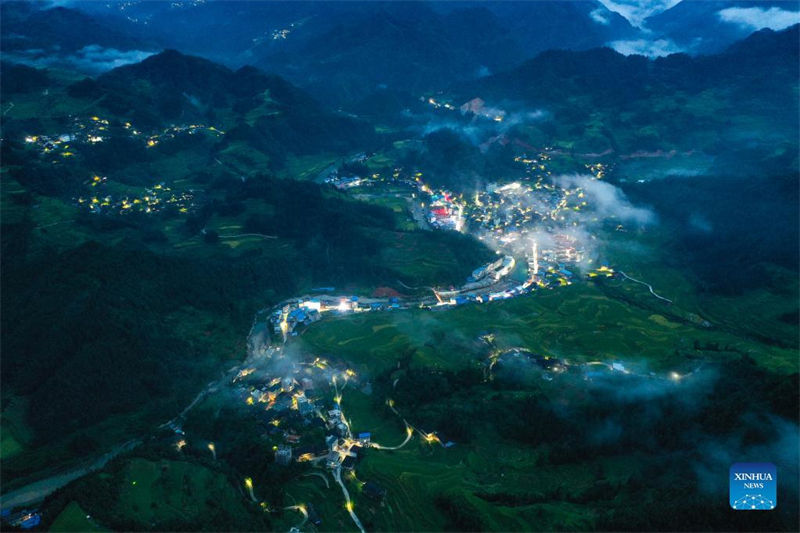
(164, 492)
(73, 518)
(583, 322)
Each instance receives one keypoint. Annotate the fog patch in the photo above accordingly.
(92, 59)
(636, 11)
(608, 200)
(599, 16)
(481, 129)
(715, 456)
(646, 47)
(756, 18)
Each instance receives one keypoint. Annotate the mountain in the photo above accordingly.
(68, 38)
(602, 72)
(58, 29)
(711, 26)
(578, 25)
(597, 100)
(346, 50)
(406, 46)
(266, 109)
(416, 47)
(154, 302)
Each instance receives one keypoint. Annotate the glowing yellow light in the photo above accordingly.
(349, 506)
(248, 482)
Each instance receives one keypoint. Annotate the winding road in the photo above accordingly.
(646, 285)
(39, 490)
(337, 475)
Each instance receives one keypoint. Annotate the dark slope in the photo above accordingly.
(345, 50)
(59, 29)
(262, 108)
(769, 57)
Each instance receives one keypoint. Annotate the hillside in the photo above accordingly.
(144, 223)
(601, 99)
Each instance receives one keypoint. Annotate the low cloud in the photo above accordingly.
(599, 16)
(99, 59)
(645, 47)
(756, 18)
(92, 59)
(479, 130)
(607, 201)
(638, 10)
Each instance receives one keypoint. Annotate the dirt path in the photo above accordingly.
(38, 490)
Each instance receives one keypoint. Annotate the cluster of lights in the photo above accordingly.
(154, 200)
(95, 130)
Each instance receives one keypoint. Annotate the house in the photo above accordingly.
(357, 451)
(364, 437)
(473, 106)
(283, 455)
(24, 519)
(331, 441)
(333, 459)
(305, 406)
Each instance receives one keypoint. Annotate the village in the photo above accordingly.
(86, 131)
(297, 399)
(151, 200)
(534, 219)
(300, 409)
